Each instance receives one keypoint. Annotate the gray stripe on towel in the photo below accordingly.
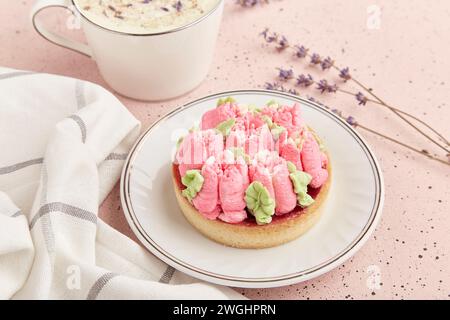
(63, 208)
(167, 275)
(99, 285)
(20, 165)
(81, 124)
(17, 214)
(117, 156)
(46, 221)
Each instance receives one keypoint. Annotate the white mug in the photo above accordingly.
(153, 66)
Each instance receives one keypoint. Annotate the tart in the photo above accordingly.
(251, 177)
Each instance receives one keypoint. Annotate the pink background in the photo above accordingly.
(405, 61)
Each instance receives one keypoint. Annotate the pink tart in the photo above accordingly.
(251, 177)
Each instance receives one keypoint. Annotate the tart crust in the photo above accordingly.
(244, 235)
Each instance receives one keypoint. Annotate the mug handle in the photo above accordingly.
(41, 5)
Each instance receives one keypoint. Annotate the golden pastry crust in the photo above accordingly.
(250, 235)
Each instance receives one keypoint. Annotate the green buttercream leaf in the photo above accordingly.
(226, 100)
(267, 120)
(239, 152)
(254, 109)
(300, 181)
(194, 128)
(193, 181)
(277, 130)
(259, 202)
(271, 103)
(305, 200)
(179, 142)
(291, 167)
(225, 127)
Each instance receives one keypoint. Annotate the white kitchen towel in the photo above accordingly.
(62, 145)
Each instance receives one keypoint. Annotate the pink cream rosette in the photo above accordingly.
(232, 186)
(212, 118)
(271, 171)
(289, 117)
(313, 161)
(285, 197)
(207, 200)
(196, 148)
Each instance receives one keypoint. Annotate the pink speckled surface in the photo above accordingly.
(405, 61)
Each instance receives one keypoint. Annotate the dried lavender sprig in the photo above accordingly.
(399, 114)
(402, 117)
(275, 86)
(352, 121)
(344, 73)
(280, 40)
(307, 80)
(362, 100)
(422, 152)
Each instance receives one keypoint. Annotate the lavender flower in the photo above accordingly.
(323, 86)
(318, 102)
(293, 92)
(247, 3)
(310, 98)
(361, 98)
(301, 51)
(305, 80)
(264, 33)
(285, 74)
(345, 74)
(351, 121)
(327, 63)
(283, 43)
(337, 112)
(316, 59)
(269, 37)
(276, 86)
(273, 86)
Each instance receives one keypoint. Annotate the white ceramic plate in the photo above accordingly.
(352, 208)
